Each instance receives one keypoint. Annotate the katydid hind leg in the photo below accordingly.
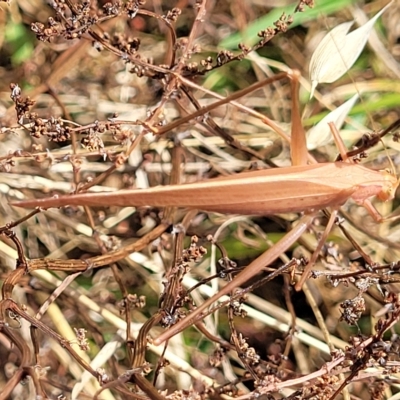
(250, 271)
(298, 143)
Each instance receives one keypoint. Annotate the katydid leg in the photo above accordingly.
(250, 271)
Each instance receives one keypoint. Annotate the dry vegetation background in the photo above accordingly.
(99, 77)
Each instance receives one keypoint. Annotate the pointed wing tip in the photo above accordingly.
(33, 203)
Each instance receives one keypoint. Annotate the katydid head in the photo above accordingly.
(390, 186)
(391, 180)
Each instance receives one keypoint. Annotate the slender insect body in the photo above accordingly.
(264, 192)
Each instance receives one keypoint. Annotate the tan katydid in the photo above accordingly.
(289, 189)
(299, 188)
